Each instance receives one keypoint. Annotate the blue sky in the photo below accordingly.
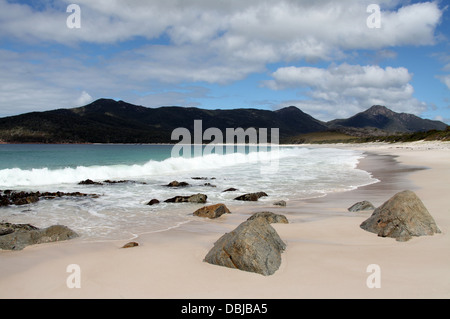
(318, 55)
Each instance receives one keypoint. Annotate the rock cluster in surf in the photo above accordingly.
(10, 197)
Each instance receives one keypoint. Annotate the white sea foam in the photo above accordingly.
(120, 212)
(13, 177)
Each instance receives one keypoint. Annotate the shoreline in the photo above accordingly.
(326, 257)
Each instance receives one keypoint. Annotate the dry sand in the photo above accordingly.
(327, 252)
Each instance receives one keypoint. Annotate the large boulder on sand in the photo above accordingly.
(253, 246)
(212, 211)
(402, 217)
(270, 217)
(18, 236)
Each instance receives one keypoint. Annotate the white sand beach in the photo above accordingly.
(327, 253)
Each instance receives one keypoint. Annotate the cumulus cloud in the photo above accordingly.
(206, 41)
(264, 29)
(83, 99)
(340, 77)
(342, 90)
(32, 81)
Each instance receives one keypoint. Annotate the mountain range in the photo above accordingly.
(110, 121)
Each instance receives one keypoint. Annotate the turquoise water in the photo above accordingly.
(57, 156)
(28, 156)
(284, 173)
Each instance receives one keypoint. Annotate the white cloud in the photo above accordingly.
(284, 29)
(33, 81)
(439, 118)
(219, 42)
(340, 77)
(83, 99)
(446, 80)
(205, 41)
(342, 90)
(36, 82)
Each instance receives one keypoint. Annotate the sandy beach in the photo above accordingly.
(327, 252)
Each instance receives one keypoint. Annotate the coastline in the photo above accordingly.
(326, 257)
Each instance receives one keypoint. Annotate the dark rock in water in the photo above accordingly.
(360, 206)
(4, 201)
(24, 198)
(50, 195)
(251, 196)
(197, 198)
(18, 236)
(123, 182)
(154, 201)
(130, 244)
(270, 217)
(280, 203)
(18, 198)
(18, 226)
(231, 189)
(212, 211)
(89, 182)
(116, 182)
(108, 181)
(402, 217)
(177, 184)
(209, 184)
(253, 246)
(8, 228)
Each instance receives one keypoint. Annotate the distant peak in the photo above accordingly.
(103, 100)
(379, 109)
(288, 108)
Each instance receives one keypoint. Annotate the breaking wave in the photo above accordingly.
(12, 177)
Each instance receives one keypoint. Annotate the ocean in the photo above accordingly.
(120, 210)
